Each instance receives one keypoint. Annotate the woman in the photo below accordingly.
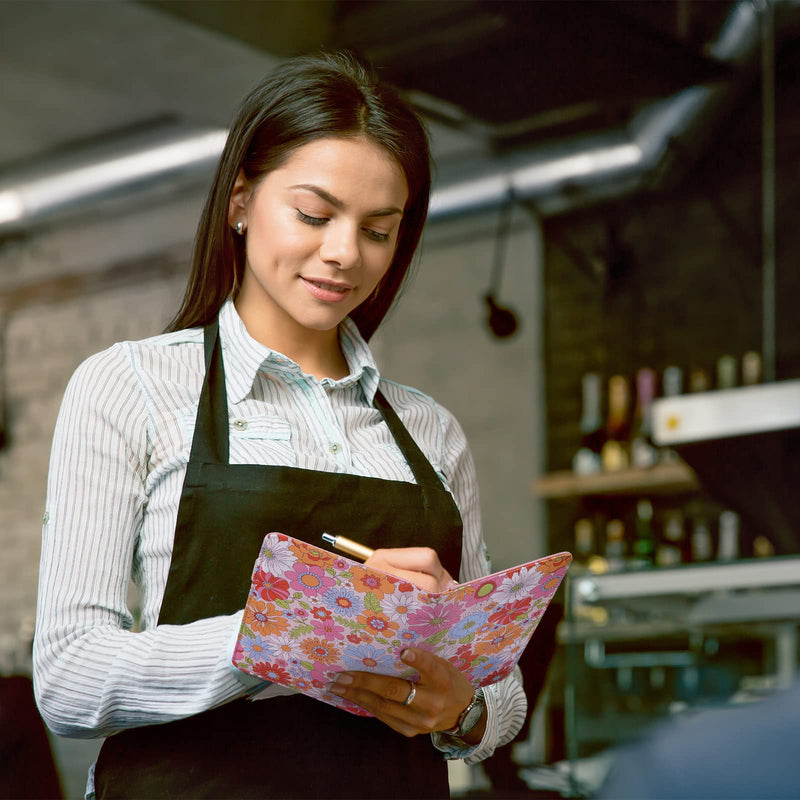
(262, 409)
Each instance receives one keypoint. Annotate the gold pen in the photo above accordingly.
(348, 546)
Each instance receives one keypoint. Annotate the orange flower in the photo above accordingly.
(369, 581)
(554, 563)
(264, 618)
(313, 556)
(320, 651)
(378, 624)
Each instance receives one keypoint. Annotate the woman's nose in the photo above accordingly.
(340, 246)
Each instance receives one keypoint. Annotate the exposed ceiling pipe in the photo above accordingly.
(577, 172)
(592, 168)
(152, 156)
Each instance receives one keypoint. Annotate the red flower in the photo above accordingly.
(275, 673)
(269, 587)
(511, 612)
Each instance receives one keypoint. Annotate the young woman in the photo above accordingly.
(262, 409)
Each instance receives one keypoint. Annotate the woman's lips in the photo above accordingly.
(327, 292)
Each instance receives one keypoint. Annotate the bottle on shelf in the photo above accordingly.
(615, 545)
(643, 452)
(727, 377)
(671, 549)
(585, 546)
(587, 460)
(728, 545)
(699, 380)
(672, 381)
(751, 368)
(644, 545)
(615, 454)
(701, 542)
(671, 386)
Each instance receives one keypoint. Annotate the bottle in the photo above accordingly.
(726, 372)
(702, 547)
(587, 460)
(672, 381)
(615, 455)
(698, 380)
(751, 368)
(728, 546)
(644, 545)
(671, 549)
(671, 386)
(584, 540)
(615, 545)
(643, 452)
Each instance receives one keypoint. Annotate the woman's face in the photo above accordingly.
(321, 232)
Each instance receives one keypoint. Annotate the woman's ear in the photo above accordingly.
(240, 197)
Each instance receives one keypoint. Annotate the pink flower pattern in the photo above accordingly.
(315, 637)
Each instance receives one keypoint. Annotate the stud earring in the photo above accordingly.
(240, 227)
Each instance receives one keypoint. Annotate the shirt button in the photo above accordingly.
(240, 424)
(335, 447)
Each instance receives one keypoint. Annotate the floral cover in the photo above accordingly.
(311, 614)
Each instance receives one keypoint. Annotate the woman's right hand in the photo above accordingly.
(418, 565)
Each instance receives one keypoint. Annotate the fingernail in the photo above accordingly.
(409, 656)
(343, 679)
(453, 585)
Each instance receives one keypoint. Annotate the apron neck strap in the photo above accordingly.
(210, 442)
(211, 445)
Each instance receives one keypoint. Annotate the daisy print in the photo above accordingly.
(518, 586)
(276, 555)
(398, 606)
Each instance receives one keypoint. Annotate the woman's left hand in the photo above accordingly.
(442, 693)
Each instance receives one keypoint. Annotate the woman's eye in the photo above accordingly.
(376, 236)
(310, 220)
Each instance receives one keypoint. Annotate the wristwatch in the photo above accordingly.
(468, 718)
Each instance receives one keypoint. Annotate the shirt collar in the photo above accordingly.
(245, 357)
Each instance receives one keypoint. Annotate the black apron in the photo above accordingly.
(284, 747)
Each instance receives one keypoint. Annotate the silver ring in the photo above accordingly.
(411, 695)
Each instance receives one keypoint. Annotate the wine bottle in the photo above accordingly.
(698, 380)
(643, 453)
(615, 454)
(751, 368)
(673, 543)
(587, 460)
(728, 546)
(726, 372)
(644, 545)
(584, 540)
(615, 545)
(702, 547)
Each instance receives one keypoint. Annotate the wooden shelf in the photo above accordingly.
(661, 479)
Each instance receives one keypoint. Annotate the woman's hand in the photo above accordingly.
(418, 565)
(442, 693)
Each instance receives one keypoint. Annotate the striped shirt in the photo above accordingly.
(119, 456)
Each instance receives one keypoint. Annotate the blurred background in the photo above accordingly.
(606, 298)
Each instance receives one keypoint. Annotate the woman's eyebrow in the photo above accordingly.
(337, 203)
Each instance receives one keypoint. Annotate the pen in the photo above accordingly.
(348, 546)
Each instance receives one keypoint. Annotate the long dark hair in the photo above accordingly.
(307, 98)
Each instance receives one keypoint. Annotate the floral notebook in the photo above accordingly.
(311, 613)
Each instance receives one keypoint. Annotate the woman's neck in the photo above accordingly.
(317, 353)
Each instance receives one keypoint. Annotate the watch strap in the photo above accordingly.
(462, 727)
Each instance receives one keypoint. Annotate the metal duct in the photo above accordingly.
(154, 155)
(558, 177)
(590, 169)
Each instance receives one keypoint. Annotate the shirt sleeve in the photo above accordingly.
(506, 703)
(93, 674)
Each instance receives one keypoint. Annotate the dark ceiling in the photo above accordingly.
(508, 71)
